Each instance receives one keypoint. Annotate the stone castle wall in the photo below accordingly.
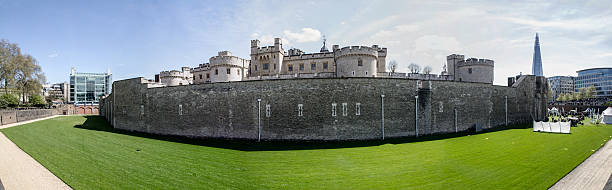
(321, 109)
(9, 116)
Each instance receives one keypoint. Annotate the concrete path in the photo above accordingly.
(593, 173)
(20, 171)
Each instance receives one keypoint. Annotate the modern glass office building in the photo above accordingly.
(560, 85)
(601, 78)
(86, 88)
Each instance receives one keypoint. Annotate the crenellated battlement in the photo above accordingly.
(309, 56)
(357, 50)
(171, 74)
(256, 49)
(226, 58)
(265, 49)
(476, 61)
(382, 52)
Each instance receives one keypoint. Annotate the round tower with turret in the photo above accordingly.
(356, 61)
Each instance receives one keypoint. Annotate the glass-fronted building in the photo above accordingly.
(601, 78)
(560, 85)
(86, 88)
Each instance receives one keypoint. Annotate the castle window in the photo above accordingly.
(357, 108)
(324, 65)
(289, 67)
(265, 66)
(301, 66)
(268, 112)
(333, 109)
(353, 73)
(180, 109)
(207, 75)
(275, 66)
(313, 66)
(200, 76)
(366, 73)
(255, 67)
(216, 71)
(300, 109)
(238, 71)
(141, 109)
(359, 62)
(344, 109)
(229, 71)
(470, 70)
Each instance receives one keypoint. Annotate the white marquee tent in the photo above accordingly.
(607, 116)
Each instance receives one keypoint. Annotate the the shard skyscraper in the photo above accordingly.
(536, 68)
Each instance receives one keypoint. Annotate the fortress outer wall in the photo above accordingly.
(303, 109)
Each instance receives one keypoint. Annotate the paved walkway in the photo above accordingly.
(20, 171)
(593, 173)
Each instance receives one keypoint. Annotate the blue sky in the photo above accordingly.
(141, 38)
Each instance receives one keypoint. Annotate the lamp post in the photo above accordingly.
(382, 112)
(258, 120)
(416, 115)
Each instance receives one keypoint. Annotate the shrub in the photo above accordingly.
(8, 100)
(37, 101)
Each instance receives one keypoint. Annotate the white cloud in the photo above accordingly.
(53, 55)
(307, 35)
(435, 42)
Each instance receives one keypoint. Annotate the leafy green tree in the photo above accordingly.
(549, 94)
(577, 96)
(582, 93)
(37, 100)
(29, 78)
(9, 57)
(560, 98)
(567, 97)
(589, 92)
(8, 100)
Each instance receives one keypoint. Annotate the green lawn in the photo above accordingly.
(84, 153)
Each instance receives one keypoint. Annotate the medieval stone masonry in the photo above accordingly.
(355, 108)
(273, 62)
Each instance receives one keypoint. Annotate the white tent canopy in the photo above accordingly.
(607, 116)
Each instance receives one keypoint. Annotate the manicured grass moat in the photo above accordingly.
(86, 154)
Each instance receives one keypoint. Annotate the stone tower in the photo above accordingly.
(536, 68)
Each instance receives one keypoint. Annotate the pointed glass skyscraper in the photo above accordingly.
(536, 68)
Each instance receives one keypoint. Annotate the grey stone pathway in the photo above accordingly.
(593, 173)
(20, 171)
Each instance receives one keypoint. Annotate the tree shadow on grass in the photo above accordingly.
(98, 123)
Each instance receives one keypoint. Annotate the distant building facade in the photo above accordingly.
(470, 70)
(221, 68)
(59, 93)
(86, 88)
(273, 62)
(175, 78)
(561, 85)
(600, 78)
(350, 61)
